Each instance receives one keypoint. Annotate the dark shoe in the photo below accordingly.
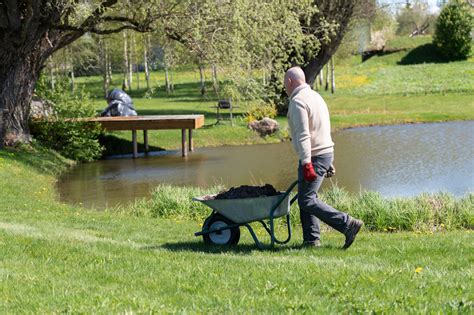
(352, 229)
(316, 243)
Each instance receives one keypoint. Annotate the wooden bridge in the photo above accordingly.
(145, 123)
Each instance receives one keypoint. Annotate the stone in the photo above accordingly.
(40, 109)
(264, 127)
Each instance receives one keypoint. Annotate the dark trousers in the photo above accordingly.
(312, 209)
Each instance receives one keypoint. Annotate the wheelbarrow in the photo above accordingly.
(222, 227)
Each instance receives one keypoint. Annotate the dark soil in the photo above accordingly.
(246, 191)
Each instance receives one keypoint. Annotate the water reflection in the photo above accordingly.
(394, 160)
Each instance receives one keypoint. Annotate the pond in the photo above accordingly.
(403, 160)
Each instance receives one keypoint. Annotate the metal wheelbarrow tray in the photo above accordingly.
(222, 227)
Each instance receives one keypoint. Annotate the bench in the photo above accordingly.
(224, 104)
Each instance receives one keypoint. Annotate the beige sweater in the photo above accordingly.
(308, 119)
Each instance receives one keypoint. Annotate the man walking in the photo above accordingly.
(310, 129)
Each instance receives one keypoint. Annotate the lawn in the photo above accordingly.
(59, 258)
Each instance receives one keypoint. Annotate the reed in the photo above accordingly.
(425, 212)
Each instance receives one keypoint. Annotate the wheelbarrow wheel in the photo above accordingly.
(225, 237)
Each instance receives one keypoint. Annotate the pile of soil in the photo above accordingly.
(246, 191)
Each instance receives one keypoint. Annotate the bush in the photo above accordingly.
(260, 110)
(74, 139)
(453, 31)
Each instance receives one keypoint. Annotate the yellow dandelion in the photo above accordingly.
(418, 269)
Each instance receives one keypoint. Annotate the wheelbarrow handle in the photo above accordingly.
(283, 196)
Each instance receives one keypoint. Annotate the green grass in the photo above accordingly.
(427, 212)
(58, 258)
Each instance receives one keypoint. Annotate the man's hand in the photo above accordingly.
(309, 174)
(331, 171)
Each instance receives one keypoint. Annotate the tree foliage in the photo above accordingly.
(453, 31)
(30, 31)
(74, 139)
(243, 35)
(415, 19)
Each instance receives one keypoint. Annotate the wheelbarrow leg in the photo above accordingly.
(272, 231)
(255, 238)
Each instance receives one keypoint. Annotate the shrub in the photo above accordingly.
(260, 110)
(74, 139)
(453, 31)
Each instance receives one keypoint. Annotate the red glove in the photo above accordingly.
(308, 172)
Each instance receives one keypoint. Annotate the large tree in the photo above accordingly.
(337, 15)
(32, 30)
(323, 30)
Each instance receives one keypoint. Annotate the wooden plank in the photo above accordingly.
(147, 117)
(199, 122)
(184, 149)
(151, 122)
(135, 144)
(150, 125)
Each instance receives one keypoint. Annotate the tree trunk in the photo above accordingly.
(145, 61)
(52, 79)
(167, 80)
(70, 68)
(134, 54)
(130, 64)
(30, 31)
(138, 77)
(215, 84)
(333, 78)
(327, 77)
(109, 65)
(202, 81)
(321, 77)
(104, 65)
(341, 12)
(126, 77)
(73, 79)
(171, 81)
(16, 91)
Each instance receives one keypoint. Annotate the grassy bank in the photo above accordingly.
(405, 86)
(424, 213)
(59, 258)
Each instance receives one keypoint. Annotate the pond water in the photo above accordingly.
(400, 160)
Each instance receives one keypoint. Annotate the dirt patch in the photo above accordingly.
(246, 191)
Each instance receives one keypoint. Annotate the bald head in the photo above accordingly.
(294, 77)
